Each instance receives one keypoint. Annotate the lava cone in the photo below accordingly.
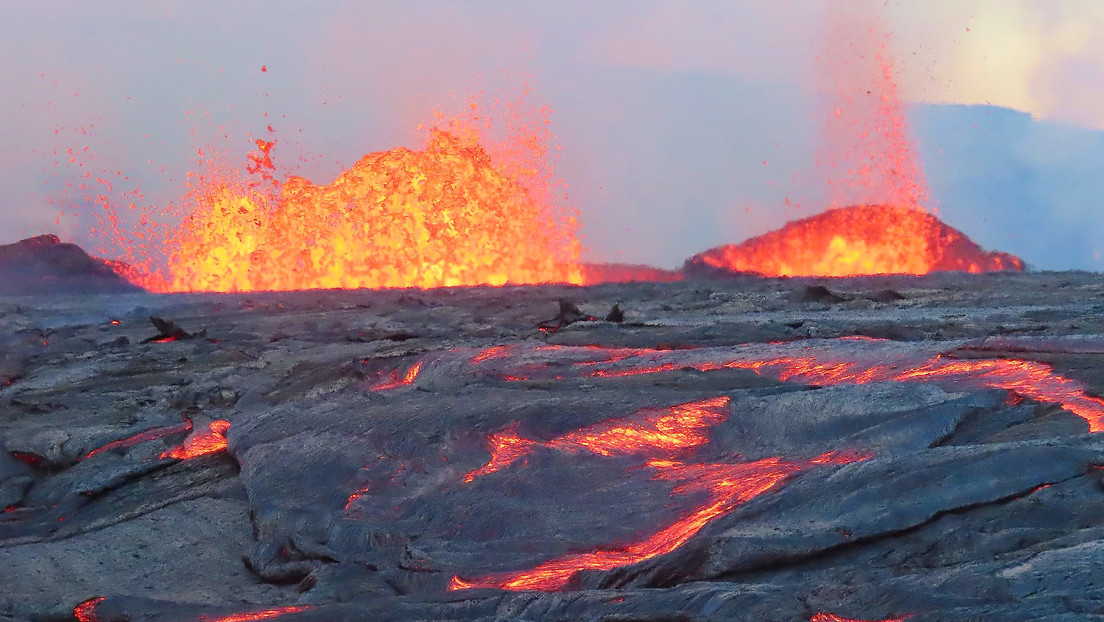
(855, 241)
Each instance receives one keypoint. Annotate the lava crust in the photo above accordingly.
(731, 449)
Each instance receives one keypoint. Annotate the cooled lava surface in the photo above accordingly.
(853, 241)
(883, 448)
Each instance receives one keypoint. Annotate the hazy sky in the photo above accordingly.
(684, 124)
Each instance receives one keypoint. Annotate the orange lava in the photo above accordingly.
(831, 617)
(871, 164)
(201, 443)
(1024, 378)
(447, 215)
(492, 352)
(668, 430)
(264, 614)
(394, 380)
(728, 485)
(86, 611)
(1027, 379)
(853, 241)
(142, 437)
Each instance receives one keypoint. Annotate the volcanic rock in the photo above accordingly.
(46, 265)
(711, 460)
(850, 241)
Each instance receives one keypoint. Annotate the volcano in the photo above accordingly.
(854, 241)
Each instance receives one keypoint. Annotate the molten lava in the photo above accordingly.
(264, 614)
(1027, 379)
(142, 437)
(728, 485)
(446, 215)
(831, 617)
(659, 435)
(86, 611)
(852, 241)
(662, 432)
(200, 443)
(394, 380)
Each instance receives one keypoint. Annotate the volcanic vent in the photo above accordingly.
(851, 241)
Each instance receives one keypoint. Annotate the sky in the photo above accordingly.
(681, 124)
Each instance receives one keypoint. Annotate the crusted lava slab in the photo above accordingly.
(730, 450)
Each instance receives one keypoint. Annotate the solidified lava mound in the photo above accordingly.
(854, 241)
(44, 264)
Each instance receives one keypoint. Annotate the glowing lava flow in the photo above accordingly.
(1030, 379)
(142, 437)
(727, 485)
(831, 617)
(394, 379)
(1037, 381)
(1025, 378)
(664, 433)
(677, 428)
(264, 614)
(86, 611)
(201, 443)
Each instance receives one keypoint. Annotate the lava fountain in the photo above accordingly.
(463, 210)
(870, 164)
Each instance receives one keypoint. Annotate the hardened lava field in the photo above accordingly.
(871, 448)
